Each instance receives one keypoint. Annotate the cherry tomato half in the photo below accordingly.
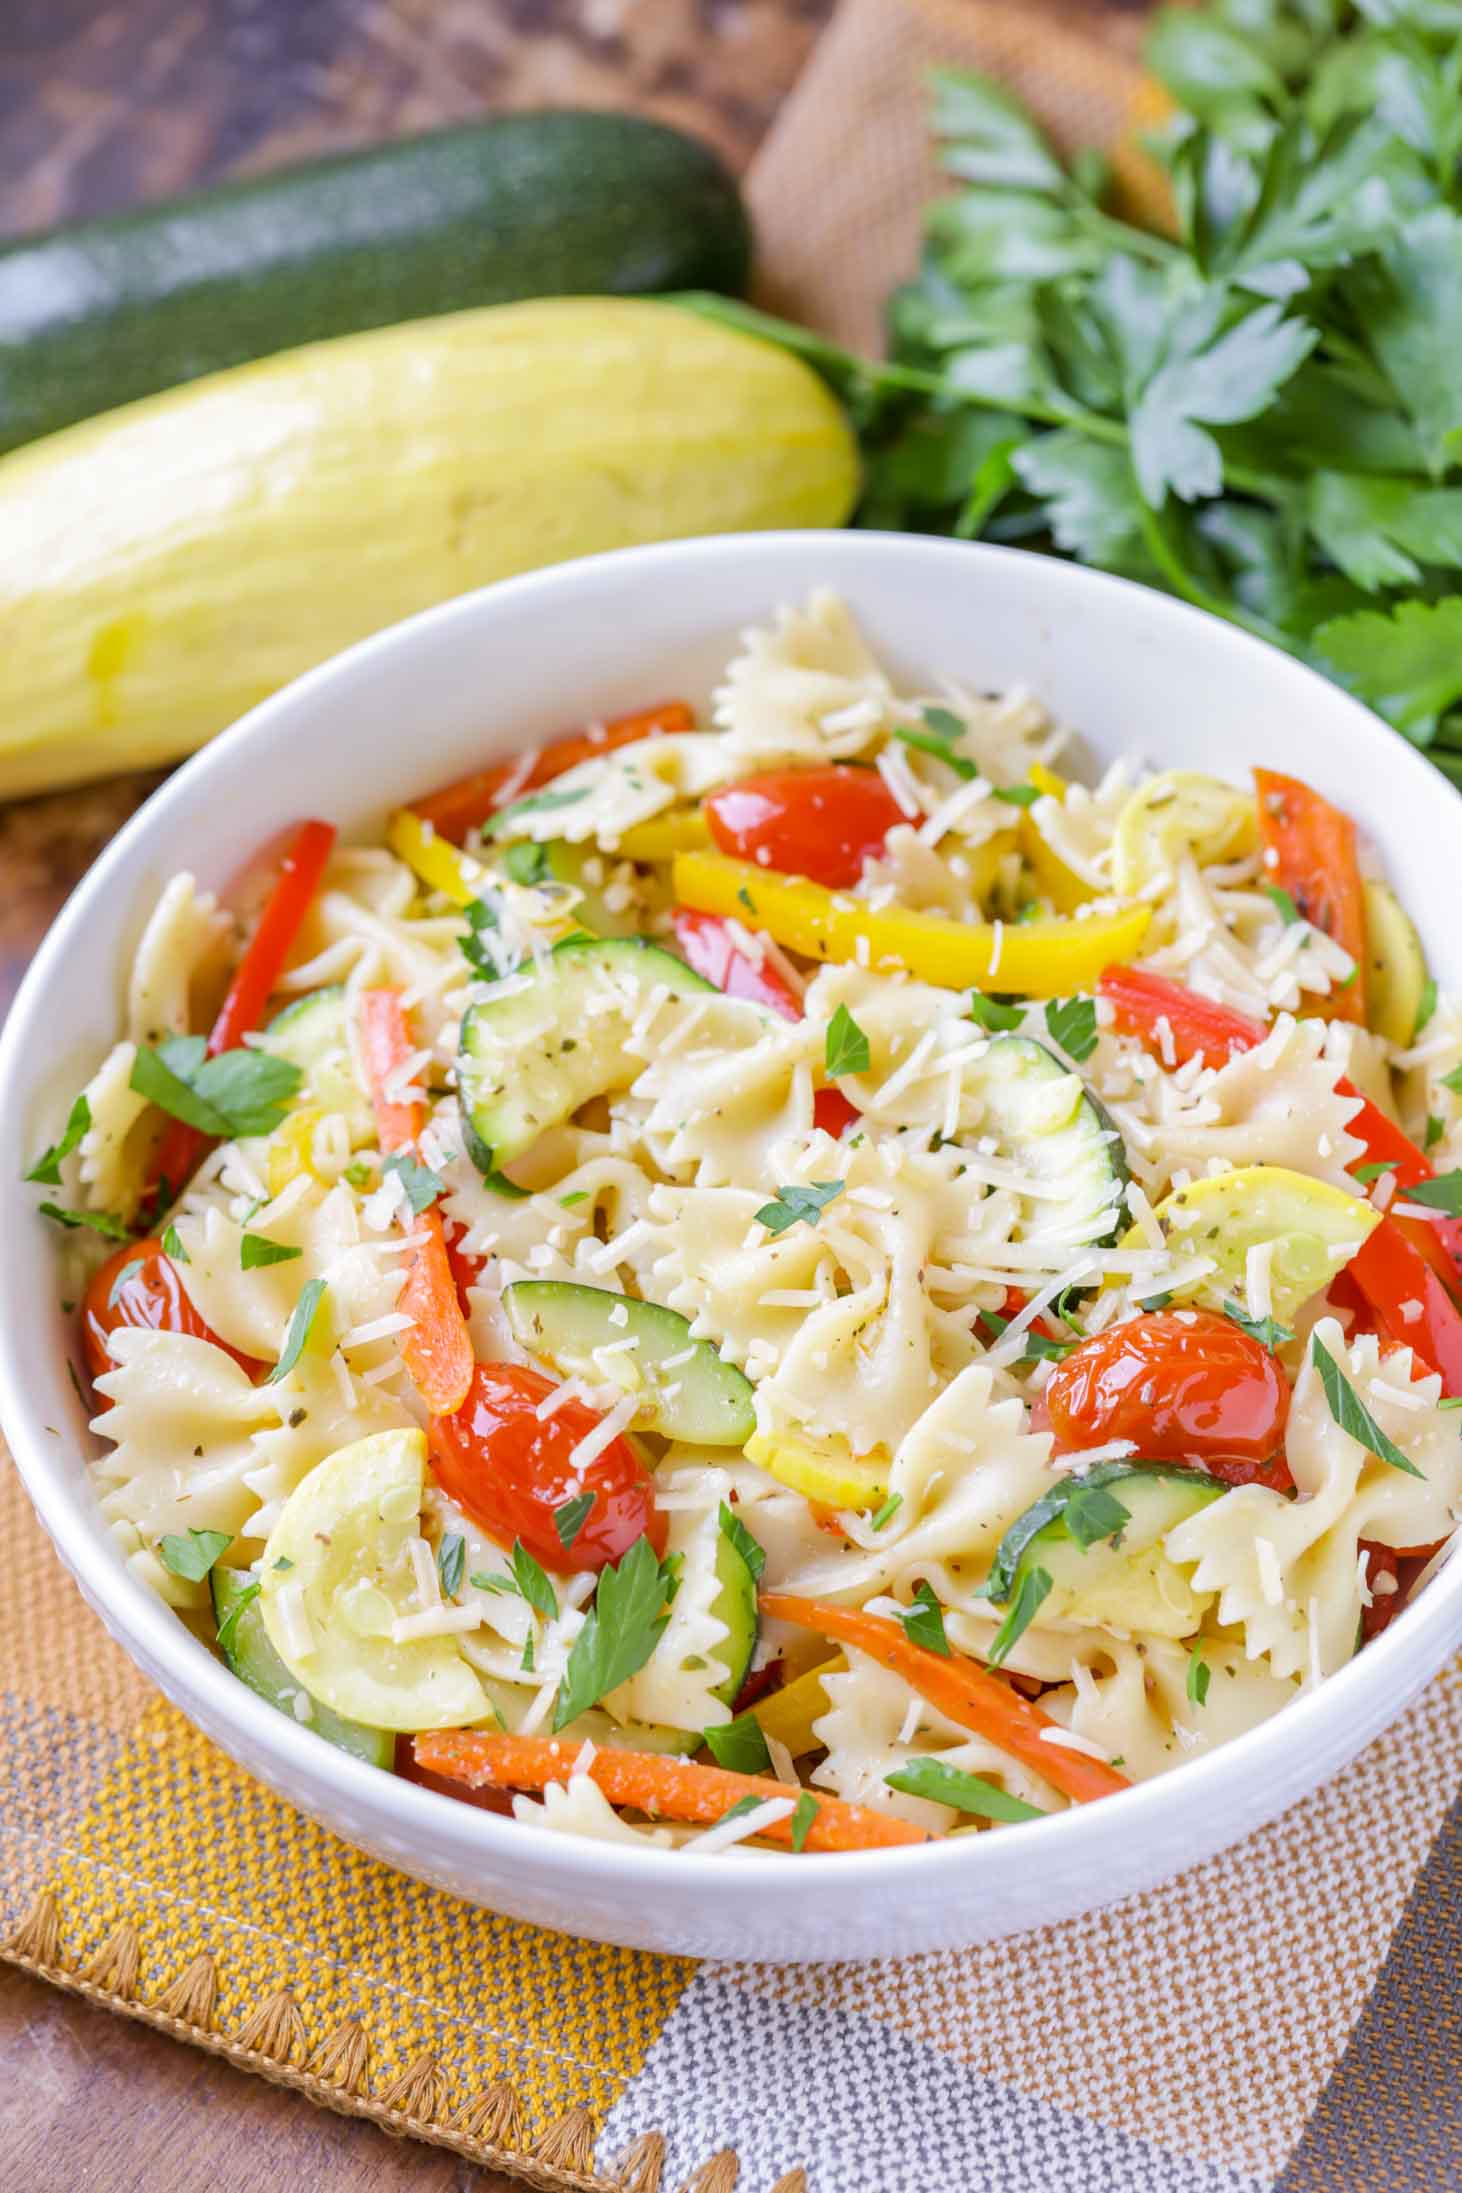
(151, 1296)
(820, 823)
(510, 1469)
(1182, 1385)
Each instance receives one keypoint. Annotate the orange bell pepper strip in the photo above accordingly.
(1309, 851)
(437, 1350)
(255, 979)
(959, 1689)
(467, 804)
(664, 1787)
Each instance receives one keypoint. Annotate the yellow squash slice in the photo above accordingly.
(337, 1577)
(1314, 1230)
(1180, 812)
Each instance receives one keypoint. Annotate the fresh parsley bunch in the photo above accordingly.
(1260, 411)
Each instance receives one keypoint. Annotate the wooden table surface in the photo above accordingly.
(103, 103)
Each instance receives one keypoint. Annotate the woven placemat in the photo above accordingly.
(1283, 2016)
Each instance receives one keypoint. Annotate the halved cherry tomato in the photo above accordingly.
(510, 1469)
(460, 807)
(1182, 1385)
(819, 823)
(710, 947)
(151, 1296)
(1401, 1565)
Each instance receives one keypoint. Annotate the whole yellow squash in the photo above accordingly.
(165, 566)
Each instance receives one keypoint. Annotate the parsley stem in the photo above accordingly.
(1182, 581)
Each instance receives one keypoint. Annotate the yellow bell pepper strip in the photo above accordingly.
(440, 864)
(684, 830)
(1049, 958)
(290, 1150)
(1061, 885)
(786, 1716)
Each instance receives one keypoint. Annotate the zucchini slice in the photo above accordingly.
(531, 1057)
(1315, 1229)
(1055, 1130)
(735, 1605)
(688, 1391)
(244, 1645)
(529, 862)
(1397, 965)
(313, 1034)
(335, 1577)
(1099, 1538)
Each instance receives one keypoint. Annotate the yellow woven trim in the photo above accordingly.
(488, 2126)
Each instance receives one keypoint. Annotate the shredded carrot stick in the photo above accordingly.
(663, 1787)
(437, 1350)
(959, 1689)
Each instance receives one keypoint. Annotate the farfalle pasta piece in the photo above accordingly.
(1288, 1572)
(1139, 1700)
(804, 689)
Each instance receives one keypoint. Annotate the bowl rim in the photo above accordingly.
(1371, 1687)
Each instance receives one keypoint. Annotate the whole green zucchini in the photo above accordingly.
(527, 205)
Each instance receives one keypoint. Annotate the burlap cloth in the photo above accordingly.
(1285, 2015)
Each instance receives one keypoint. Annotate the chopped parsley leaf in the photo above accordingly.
(1199, 1676)
(1289, 913)
(887, 1512)
(989, 1013)
(1034, 1586)
(570, 1519)
(943, 1784)
(422, 1185)
(924, 1620)
(230, 1622)
(1426, 1006)
(233, 1093)
(1352, 1415)
(623, 1627)
(845, 1047)
(46, 1171)
(192, 1557)
(796, 1205)
(100, 1222)
(1266, 1330)
(172, 1246)
(526, 862)
(1435, 1129)
(804, 1812)
(1442, 1194)
(741, 1808)
(257, 1250)
(451, 1560)
(298, 1331)
(740, 1746)
(1365, 1174)
(1072, 1023)
(1019, 795)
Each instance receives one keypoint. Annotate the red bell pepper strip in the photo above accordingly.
(437, 1350)
(465, 805)
(1403, 1260)
(711, 949)
(1309, 851)
(255, 979)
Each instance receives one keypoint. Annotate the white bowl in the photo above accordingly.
(467, 683)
